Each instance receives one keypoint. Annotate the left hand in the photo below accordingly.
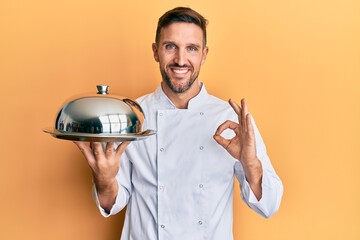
(242, 146)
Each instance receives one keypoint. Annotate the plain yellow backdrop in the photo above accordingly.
(296, 62)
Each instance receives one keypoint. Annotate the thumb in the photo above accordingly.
(121, 148)
(221, 141)
(86, 151)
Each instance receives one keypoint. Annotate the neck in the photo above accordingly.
(181, 100)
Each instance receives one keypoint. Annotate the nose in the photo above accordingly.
(180, 57)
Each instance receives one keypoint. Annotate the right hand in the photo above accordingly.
(103, 161)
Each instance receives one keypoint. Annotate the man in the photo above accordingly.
(178, 184)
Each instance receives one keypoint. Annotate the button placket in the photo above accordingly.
(201, 186)
(160, 119)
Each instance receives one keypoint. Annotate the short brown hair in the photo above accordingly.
(181, 14)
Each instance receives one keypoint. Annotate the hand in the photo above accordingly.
(104, 163)
(243, 146)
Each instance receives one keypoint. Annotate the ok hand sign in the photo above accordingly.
(242, 146)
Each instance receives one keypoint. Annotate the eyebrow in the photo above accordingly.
(191, 44)
(168, 42)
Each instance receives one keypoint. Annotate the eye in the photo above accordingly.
(170, 46)
(192, 48)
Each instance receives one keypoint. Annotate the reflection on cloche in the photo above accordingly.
(100, 117)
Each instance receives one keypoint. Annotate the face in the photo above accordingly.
(180, 53)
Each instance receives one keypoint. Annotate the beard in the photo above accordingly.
(181, 88)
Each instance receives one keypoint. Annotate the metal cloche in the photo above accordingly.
(100, 117)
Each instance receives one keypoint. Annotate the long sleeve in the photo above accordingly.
(124, 188)
(272, 188)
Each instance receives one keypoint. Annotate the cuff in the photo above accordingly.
(115, 208)
(272, 191)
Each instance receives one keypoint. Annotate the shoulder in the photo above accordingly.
(217, 103)
(148, 100)
(218, 109)
(145, 98)
(215, 100)
(148, 103)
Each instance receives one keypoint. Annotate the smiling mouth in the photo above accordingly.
(180, 71)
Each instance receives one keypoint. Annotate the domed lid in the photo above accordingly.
(99, 117)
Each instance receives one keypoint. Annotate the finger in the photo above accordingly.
(244, 106)
(121, 148)
(250, 127)
(244, 112)
(86, 151)
(109, 149)
(222, 141)
(79, 144)
(227, 125)
(236, 108)
(97, 149)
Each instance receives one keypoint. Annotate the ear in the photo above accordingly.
(205, 52)
(155, 52)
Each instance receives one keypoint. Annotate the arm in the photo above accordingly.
(261, 188)
(104, 163)
(243, 146)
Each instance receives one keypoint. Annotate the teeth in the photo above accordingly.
(180, 71)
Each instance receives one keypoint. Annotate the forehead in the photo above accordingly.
(182, 32)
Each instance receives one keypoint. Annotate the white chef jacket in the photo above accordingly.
(178, 184)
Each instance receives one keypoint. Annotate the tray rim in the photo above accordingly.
(100, 137)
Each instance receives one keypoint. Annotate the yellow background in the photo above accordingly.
(296, 62)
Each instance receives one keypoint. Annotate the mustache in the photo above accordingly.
(180, 66)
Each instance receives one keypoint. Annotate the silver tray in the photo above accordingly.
(101, 137)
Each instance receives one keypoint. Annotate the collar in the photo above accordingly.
(197, 101)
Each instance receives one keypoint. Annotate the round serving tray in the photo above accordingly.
(100, 137)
